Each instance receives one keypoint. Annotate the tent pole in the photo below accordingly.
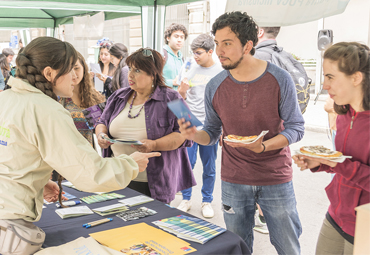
(155, 22)
(54, 27)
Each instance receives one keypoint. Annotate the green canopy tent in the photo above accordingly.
(50, 14)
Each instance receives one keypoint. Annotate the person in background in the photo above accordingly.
(118, 54)
(84, 96)
(174, 38)
(193, 78)
(20, 45)
(2, 82)
(347, 79)
(9, 54)
(5, 69)
(264, 49)
(104, 61)
(140, 113)
(107, 68)
(250, 96)
(39, 135)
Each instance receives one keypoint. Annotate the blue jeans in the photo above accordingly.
(208, 155)
(278, 205)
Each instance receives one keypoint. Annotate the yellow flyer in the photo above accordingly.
(142, 239)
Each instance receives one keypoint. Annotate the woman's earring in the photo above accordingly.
(152, 85)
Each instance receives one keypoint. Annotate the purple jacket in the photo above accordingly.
(171, 172)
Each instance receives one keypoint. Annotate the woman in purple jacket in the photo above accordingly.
(347, 80)
(140, 113)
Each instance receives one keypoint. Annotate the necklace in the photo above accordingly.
(132, 102)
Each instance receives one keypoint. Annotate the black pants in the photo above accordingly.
(142, 187)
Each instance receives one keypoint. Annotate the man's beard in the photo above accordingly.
(233, 65)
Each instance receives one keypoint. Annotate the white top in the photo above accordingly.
(122, 127)
(198, 78)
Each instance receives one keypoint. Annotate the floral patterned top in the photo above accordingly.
(78, 118)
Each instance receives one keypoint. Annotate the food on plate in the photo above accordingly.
(241, 138)
(320, 151)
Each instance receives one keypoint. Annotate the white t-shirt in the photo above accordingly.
(122, 127)
(198, 78)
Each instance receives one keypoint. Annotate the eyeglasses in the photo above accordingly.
(198, 53)
(148, 53)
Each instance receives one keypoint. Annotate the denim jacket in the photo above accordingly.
(171, 172)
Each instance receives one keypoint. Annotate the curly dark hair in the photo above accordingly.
(173, 28)
(241, 24)
(152, 66)
(89, 95)
(352, 57)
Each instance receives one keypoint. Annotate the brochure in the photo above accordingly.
(110, 209)
(189, 228)
(136, 214)
(100, 198)
(138, 200)
(125, 239)
(128, 141)
(73, 212)
(182, 111)
(99, 84)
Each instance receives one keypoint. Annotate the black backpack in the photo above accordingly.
(297, 72)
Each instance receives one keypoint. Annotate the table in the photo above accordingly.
(59, 231)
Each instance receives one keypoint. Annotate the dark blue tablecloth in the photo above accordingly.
(59, 231)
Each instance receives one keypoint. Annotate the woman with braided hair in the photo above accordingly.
(347, 80)
(38, 135)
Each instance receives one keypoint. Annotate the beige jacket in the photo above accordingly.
(38, 135)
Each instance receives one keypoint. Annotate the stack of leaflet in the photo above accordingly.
(73, 212)
(110, 209)
(138, 200)
(189, 228)
(100, 198)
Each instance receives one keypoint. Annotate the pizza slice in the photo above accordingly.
(320, 151)
(239, 138)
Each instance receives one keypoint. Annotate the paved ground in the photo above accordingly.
(309, 188)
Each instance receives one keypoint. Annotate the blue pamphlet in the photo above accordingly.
(181, 111)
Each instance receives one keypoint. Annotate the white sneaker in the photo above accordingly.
(185, 205)
(207, 210)
(259, 225)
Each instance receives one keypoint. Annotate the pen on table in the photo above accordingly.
(93, 222)
(98, 222)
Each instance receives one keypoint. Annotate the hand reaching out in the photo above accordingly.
(305, 162)
(256, 146)
(146, 147)
(104, 144)
(142, 159)
(51, 192)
